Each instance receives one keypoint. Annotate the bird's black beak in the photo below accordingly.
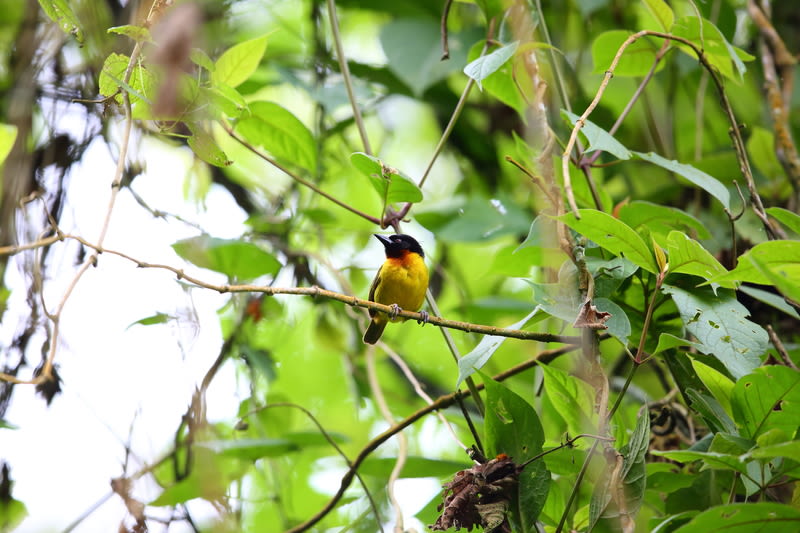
(386, 241)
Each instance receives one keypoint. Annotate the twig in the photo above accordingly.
(780, 348)
(348, 82)
(443, 30)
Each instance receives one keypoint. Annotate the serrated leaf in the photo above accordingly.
(598, 138)
(687, 256)
(60, 12)
(719, 322)
(234, 258)
(137, 33)
(637, 60)
(613, 235)
(238, 63)
(481, 354)
(486, 65)
(388, 182)
(769, 398)
(278, 131)
(709, 184)
(788, 218)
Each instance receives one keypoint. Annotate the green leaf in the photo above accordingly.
(389, 182)
(227, 100)
(137, 33)
(771, 299)
(768, 398)
(574, 398)
(60, 12)
(633, 477)
(717, 383)
(234, 258)
(140, 86)
(788, 450)
(659, 220)
(761, 147)
(618, 326)
(158, 318)
(597, 137)
(781, 257)
(209, 478)
(483, 219)
(718, 321)
(667, 341)
(714, 460)
(787, 283)
(717, 50)
(637, 60)
(709, 184)
(661, 12)
(763, 517)
(278, 131)
(414, 52)
(481, 354)
(8, 134)
(205, 147)
(712, 412)
(250, 449)
(687, 256)
(788, 218)
(484, 66)
(238, 63)
(513, 427)
(414, 467)
(492, 8)
(613, 235)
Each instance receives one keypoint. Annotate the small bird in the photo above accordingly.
(401, 282)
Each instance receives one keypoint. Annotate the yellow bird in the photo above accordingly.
(401, 282)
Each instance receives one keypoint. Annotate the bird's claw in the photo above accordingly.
(395, 311)
(423, 318)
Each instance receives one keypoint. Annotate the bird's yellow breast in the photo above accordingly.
(403, 281)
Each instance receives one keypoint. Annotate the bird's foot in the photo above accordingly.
(423, 318)
(395, 311)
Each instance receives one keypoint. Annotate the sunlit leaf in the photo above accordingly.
(137, 33)
(661, 12)
(388, 182)
(8, 134)
(236, 259)
(637, 60)
(278, 131)
(768, 398)
(60, 12)
(687, 256)
(788, 218)
(238, 63)
(599, 139)
(484, 66)
(742, 517)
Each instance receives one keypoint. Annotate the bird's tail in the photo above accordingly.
(374, 331)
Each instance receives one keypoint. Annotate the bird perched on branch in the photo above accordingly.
(401, 282)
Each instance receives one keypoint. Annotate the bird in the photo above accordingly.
(401, 282)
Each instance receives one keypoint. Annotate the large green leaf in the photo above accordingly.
(723, 56)
(719, 322)
(769, 398)
(205, 147)
(709, 184)
(234, 258)
(717, 383)
(633, 477)
(513, 427)
(687, 256)
(278, 131)
(781, 257)
(414, 467)
(484, 66)
(661, 11)
(388, 182)
(788, 218)
(637, 60)
(238, 63)
(613, 235)
(762, 517)
(574, 398)
(659, 220)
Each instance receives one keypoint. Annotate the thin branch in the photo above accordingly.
(297, 178)
(443, 30)
(776, 342)
(348, 81)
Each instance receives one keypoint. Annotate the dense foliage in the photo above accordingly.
(607, 195)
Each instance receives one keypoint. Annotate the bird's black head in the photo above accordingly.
(398, 245)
